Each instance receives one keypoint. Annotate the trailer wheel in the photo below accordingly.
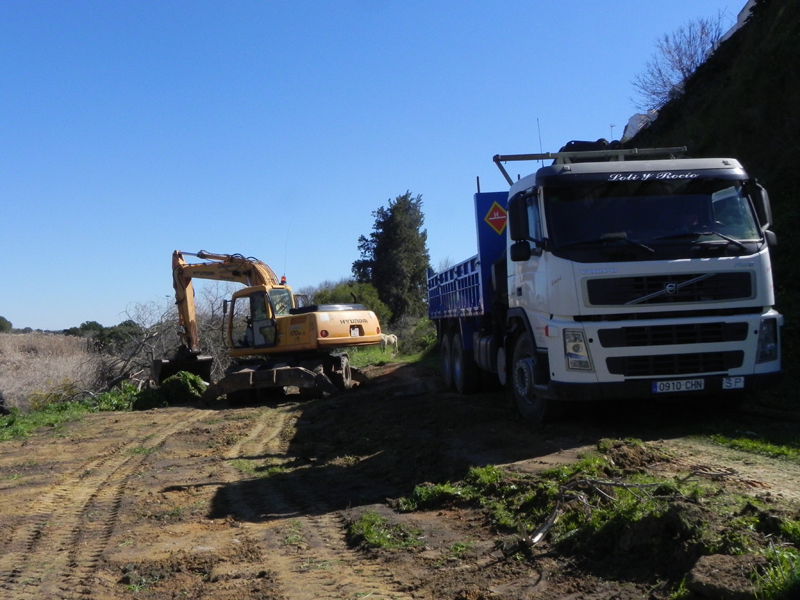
(465, 371)
(446, 350)
(523, 376)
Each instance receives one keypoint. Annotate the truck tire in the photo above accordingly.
(342, 378)
(465, 371)
(446, 350)
(523, 374)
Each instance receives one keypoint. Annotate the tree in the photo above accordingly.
(677, 56)
(87, 329)
(5, 325)
(394, 258)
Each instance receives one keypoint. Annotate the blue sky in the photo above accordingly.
(129, 129)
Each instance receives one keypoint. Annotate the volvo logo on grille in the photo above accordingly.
(671, 289)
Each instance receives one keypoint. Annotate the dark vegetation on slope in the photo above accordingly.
(744, 103)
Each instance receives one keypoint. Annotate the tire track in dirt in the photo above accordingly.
(55, 551)
(318, 563)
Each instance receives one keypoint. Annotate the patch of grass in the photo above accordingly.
(588, 466)
(614, 514)
(294, 535)
(368, 355)
(791, 531)
(432, 495)
(781, 579)
(172, 514)
(19, 425)
(247, 467)
(271, 470)
(345, 461)
(460, 550)
(681, 592)
(140, 450)
(477, 482)
(314, 564)
(377, 532)
(755, 445)
(63, 403)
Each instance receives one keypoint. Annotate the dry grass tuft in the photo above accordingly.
(37, 365)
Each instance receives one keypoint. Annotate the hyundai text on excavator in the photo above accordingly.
(275, 340)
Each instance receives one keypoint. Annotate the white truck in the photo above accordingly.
(614, 274)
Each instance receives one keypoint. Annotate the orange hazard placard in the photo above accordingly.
(496, 218)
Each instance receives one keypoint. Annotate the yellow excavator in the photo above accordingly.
(275, 339)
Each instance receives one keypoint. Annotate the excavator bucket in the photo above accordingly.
(196, 365)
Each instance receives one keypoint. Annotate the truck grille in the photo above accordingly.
(674, 364)
(669, 289)
(668, 335)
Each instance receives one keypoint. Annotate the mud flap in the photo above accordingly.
(248, 379)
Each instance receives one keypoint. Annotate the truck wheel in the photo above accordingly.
(523, 369)
(465, 371)
(446, 350)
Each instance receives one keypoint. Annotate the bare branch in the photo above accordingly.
(677, 57)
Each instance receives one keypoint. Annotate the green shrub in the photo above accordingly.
(432, 495)
(120, 399)
(181, 388)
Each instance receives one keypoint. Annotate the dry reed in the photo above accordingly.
(34, 364)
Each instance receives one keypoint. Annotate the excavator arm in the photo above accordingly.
(219, 267)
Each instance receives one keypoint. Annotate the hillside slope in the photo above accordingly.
(744, 103)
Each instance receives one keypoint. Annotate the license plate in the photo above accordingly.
(681, 385)
(733, 383)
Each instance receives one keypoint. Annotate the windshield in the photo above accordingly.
(649, 212)
(281, 300)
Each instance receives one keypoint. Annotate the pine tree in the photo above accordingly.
(394, 258)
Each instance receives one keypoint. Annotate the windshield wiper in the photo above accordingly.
(685, 234)
(606, 238)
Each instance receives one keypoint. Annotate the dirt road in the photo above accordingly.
(253, 502)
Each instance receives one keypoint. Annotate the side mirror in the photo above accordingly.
(772, 239)
(518, 227)
(520, 251)
(761, 204)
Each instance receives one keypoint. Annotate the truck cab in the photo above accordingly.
(625, 279)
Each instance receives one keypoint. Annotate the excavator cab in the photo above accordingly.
(251, 320)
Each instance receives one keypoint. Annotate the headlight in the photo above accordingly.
(575, 351)
(767, 341)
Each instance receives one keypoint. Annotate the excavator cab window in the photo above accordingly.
(281, 299)
(254, 325)
(263, 326)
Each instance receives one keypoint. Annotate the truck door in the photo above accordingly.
(526, 287)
